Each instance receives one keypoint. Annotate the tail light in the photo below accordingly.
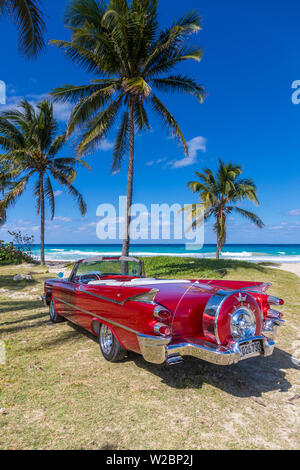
(162, 322)
(274, 300)
(162, 314)
(162, 329)
(274, 315)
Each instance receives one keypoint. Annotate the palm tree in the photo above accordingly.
(28, 18)
(7, 175)
(31, 141)
(122, 45)
(218, 194)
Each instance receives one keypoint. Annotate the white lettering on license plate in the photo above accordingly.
(251, 349)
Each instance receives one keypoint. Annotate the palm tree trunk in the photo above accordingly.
(218, 248)
(126, 239)
(42, 208)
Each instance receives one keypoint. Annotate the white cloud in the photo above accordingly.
(58, 193)
(106, 145)
(194, 145)
(275, 227)
(63, 219)
(86, 226)
(61, 110)
(295, 212)
(150, 163)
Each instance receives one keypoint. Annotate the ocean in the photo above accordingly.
(273, 253)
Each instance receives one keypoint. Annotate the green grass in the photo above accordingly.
(57, 392)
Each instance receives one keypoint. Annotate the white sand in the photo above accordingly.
(291, 267)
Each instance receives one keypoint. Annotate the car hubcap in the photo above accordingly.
(52, 311)
(106, 339)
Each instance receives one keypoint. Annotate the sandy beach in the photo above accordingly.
(290, 267)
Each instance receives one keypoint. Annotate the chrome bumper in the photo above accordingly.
(270, 329)
(158, 350)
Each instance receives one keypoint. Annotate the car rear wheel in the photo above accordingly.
(54, 317)
(110, 347)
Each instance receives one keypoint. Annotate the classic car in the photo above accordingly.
(219, 321)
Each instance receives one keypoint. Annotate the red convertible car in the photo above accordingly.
(221, 322)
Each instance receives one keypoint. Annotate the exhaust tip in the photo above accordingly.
(174, 359)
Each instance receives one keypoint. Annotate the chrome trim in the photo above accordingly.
(154, 348)
(158, 350)
(274, 315)
(100, 296)
(137, 298)
(158, 327)
(174, 359)
(216, 354)
(106, 339)
(98, 316)
(214, 304)
(257, 289)
(270, 327)
(158, 309)
(133, 298)
(213, 307)
(274, 300)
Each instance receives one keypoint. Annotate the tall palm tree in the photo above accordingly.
(218, 194)
(28, 18)
(130, 56)
(31, 142)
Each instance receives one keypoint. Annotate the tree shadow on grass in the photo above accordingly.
(250, 378)
(24, 319)
(15, 329)
(17, 306)
(7, 282)
(61, 338)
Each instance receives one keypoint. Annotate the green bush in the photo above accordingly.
(11, 254)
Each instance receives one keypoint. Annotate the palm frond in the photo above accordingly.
(140, 116)
(67, 183)
(49, 194)
(98, 128)
(28, 18)
(255, 219)
(122, 143)
(181, 84)
(168, 120)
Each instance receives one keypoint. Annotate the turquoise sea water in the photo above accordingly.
(275, 253)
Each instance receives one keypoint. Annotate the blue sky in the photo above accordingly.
(251, 59)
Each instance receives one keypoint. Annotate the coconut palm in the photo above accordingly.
(131, 57)
(28, 18)
(219, 193)
(31, 141)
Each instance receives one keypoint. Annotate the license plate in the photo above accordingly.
(251, 349)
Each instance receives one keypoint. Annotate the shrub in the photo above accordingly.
(18, 251)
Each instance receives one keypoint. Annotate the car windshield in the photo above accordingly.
(97, 269)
